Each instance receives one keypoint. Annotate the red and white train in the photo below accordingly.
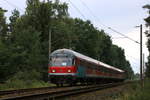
(70, 67)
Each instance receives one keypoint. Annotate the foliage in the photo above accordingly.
(3, 25)
(147, 20)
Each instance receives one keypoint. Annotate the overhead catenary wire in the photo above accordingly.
(90, 11)
(77, 9)
(118, 37)
(123, 35)
(108, 27)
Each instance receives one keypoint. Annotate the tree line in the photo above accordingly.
(24, 40)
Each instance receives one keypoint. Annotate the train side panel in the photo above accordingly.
(81, 72)
(91, 72)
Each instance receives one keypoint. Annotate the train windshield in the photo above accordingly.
(61, 61)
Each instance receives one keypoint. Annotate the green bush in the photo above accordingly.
(31, 79)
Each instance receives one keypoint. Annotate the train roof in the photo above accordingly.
(81, 56)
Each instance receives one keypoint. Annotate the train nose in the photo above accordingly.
(64, 69)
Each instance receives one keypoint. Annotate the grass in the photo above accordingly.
(22, 80)
(20, 84)
(135, 92)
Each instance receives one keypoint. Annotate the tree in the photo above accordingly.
(42, 17)
(3, 25)
(147, 20)
(13, 20)
(27, 44)
(84, 38)
(6, 68)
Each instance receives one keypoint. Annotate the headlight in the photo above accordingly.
(53, 71)
(69, 70)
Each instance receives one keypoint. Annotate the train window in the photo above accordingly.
(73, 61)
(61, 61)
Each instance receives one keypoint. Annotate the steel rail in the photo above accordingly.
(6, 92)
(54, 92)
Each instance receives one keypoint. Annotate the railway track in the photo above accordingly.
(51, 92)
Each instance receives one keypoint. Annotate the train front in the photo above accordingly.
(62, 68)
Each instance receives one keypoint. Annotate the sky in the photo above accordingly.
(121, 15)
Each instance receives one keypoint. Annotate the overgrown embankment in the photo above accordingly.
(135, 92)
(22, 80)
